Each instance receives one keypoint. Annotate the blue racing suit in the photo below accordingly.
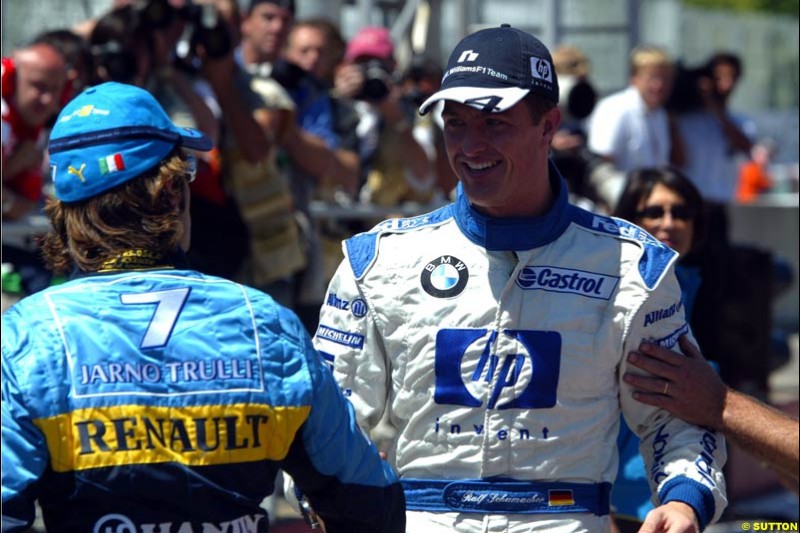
(165, 401)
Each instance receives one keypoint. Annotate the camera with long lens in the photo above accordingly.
(119, 62)
(156, 14)
(204, 28)
(377, 80)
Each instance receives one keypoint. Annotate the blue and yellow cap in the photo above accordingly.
(110, 134)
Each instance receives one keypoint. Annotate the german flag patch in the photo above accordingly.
(560, 497)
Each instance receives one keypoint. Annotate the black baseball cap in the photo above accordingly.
(495, 68)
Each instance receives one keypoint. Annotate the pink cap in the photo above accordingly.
(373, 41)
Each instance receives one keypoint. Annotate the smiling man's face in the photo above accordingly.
(501, 158)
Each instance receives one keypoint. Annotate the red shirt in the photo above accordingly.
(28, 182)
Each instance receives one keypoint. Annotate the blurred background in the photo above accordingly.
(764, 33)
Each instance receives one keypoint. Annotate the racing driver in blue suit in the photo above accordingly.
(142, 396)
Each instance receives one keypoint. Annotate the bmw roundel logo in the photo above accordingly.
(444, 277)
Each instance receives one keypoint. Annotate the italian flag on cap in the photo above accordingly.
(111, 163)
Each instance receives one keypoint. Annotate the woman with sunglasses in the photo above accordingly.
(665, 203)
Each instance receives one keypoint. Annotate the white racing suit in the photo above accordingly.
(496, 346)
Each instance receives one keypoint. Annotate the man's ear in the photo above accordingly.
(550, 123)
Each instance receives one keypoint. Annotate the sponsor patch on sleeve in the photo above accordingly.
(672, 339)
(345, 338)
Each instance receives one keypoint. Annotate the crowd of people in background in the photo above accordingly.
(297, 113)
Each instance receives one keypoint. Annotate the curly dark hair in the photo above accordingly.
(141, 214)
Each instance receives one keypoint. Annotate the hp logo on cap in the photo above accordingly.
(541, 69)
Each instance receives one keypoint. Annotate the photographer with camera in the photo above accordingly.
(157, 46)
(419, 81)
(265, 29)
(395, 166)
(712, 135)
(313, 49)
(139, 44)
(306, 160)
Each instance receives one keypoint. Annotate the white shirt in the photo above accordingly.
(623, 129)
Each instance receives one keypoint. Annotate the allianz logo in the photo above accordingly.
(358, 306)
(119, 523)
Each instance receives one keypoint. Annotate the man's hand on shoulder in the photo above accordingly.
(672, 517)
(685, 385)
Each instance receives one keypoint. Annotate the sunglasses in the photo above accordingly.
(656, 212)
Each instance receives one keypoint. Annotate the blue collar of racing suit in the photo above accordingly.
(519, 233)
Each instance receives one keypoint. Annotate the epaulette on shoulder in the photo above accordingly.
(656, 257)
(362, 249)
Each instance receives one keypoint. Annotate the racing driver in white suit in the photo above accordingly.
(492, 331)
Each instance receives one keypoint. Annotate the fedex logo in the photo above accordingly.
(509, 369)
(404, 223)
(626, 229)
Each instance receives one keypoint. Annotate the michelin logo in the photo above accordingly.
(672, 339)
(554, 279)
(345, 338)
